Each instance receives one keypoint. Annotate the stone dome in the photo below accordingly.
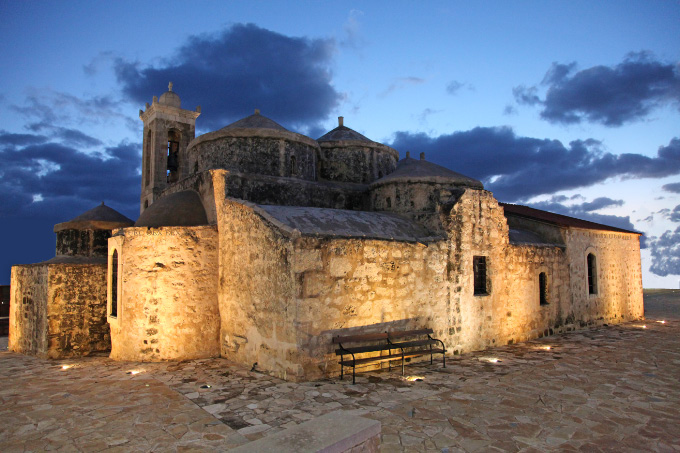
(183, 208)
(255, 121)
(412, 170)
(343, 133)
(170, 98)
(100, 218)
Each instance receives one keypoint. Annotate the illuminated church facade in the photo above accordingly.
(258, 244)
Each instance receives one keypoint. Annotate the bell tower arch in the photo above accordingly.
(168, 129)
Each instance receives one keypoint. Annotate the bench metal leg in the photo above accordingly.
(342, 357)
(354, 369)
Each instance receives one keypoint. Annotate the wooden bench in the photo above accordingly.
(396, 344)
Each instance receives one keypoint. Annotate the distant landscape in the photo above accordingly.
(660, 303)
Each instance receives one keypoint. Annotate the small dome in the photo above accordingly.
(413, 170)
(178, 209)
(100, 218)
(343, 133)
(255, 121)
(170, 98)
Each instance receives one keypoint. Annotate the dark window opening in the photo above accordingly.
(543, 288)
(479, 270)
(147, 160)
(146, 204)
(388, 202)
(592, 274)
(173, 155)
(293, 166)
(114, 284)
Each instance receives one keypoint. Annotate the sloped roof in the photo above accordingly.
(183, 208)
(343, 133)
(558, 219)
(519, 236)
(255, 121)
(345, 224)
(100, 218)
(414, 170)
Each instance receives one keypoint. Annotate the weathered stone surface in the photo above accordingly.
(59, 310)
(167, 303)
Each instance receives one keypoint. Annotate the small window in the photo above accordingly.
(543, 288)
(293, 166)
(114, 284)
(479, 270)
(592, 274)
(388, 202)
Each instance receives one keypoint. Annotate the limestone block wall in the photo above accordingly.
(28, 309)
(526, 318)
(348, 286)
(619, 276)
(60, 310)
(167, 298)
(476, 226)
(256, 292)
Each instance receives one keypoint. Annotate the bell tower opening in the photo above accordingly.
(168, 129)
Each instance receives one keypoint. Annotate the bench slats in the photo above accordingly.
(356, 338)
(413, 344)
(409, 333)
(391, 357)
(362, 349)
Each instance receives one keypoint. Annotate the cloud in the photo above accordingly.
(400, 83)
(517, 168)
(609, 95)
(422, 118)
(45, 108)
(672, 187)
(665, 252)
(353, 38)
(49, 179)
(674, 216)
(585, 210)
(242, 68)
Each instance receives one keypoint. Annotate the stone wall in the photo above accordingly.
(167, 300)
(251, 151)
(88, 242)
(619, 276)
(28, 309)
(357, 162)
(284, 296)
(256, 292)
(348, 286)
(526, 318)
(60, 310)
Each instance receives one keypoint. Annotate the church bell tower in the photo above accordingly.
(168, 129)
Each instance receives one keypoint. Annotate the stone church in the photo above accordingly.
(259, 244)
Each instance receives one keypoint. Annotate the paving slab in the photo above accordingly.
(612, 388)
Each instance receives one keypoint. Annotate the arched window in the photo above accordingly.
(543, 288)
(592, 274)
(293, 166)
(113, 290)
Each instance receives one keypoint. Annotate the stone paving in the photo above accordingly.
(613, 388)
